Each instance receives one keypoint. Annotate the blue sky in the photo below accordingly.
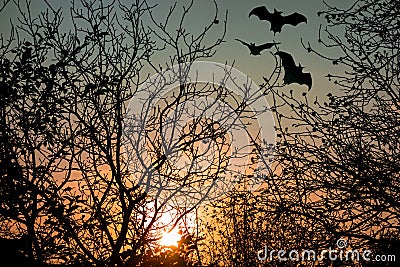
(253, 30)
(242, 27)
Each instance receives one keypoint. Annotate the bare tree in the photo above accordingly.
(34, 143)
(79, 166)
(336, 162)
(335, 172)
(65, 181)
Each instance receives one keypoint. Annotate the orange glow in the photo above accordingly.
(170, 238)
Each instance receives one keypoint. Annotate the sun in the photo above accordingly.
(170, 238)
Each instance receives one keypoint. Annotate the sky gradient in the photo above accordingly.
(240, 26)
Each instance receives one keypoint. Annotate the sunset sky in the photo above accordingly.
(114, 152)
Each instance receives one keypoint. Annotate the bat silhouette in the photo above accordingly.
(256, 49)
(293, 73)
(276, 19)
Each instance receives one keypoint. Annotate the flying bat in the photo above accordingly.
(293, 73)
(256, 49)
(276, 19)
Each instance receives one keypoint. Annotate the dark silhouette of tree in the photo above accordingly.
(33, 148)
(66, 188)
(181, 255)
(336, 164)
(69, 190)
(69, 185)
(335, 172)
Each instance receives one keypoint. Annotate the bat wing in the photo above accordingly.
(261, 12)
(293, 73)
(266, 46)
(243, 42)
(294, 19)
(287, 61)
(305, 78)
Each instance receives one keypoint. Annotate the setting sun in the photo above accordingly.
(170, 238)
